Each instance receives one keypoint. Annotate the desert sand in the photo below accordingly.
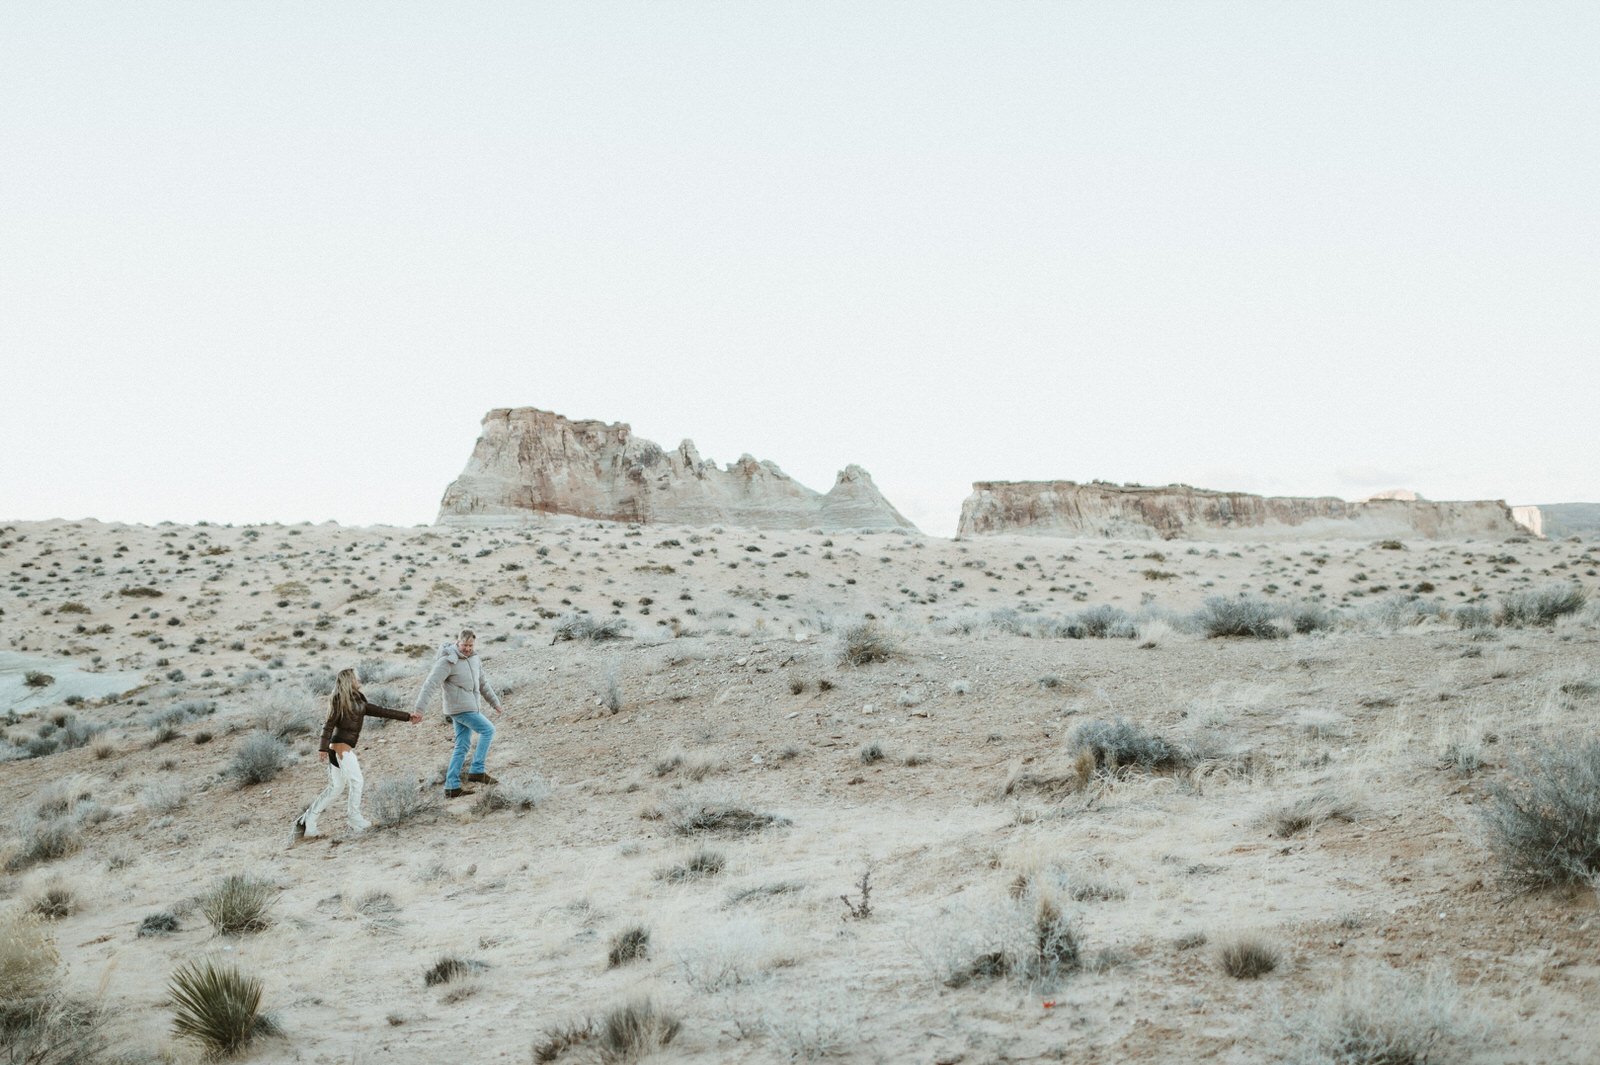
(946, 772)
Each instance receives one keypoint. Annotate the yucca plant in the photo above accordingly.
(218, 1007)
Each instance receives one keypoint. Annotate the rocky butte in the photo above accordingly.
(529, 462)
(1181, 512)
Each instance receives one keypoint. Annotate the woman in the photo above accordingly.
(339, 736)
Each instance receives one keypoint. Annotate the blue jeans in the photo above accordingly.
(466, 725)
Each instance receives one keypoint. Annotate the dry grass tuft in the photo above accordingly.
(1248, 957)
(450, 968)
(1384, 1017)
(28, 958)
(631, 1031)
(703, 864)
(238, 903)
(1308, 812)
(1053, 778)
(522, 794)
(55, 900)
(630, 944)
(556, 1041)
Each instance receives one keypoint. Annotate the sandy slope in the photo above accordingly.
(720, 636)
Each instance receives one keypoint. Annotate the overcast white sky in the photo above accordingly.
(275, 261)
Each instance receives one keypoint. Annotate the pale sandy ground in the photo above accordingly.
(1364, 712)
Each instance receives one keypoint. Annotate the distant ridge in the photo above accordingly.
(1571, 519)
(1181, 512)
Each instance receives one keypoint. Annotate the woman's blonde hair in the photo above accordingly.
(344, 693)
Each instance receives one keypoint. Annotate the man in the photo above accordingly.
(460, 672)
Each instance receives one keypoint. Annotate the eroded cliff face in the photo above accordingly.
(1180, 512)
(530, 462)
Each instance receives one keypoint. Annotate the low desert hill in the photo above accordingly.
(864, 797)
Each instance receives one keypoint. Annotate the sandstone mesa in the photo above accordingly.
(1178, 511)
(529, 463)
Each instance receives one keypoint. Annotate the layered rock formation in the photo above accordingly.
(1178, 511)
(531, 462)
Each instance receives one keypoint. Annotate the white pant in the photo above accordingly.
(346, 774)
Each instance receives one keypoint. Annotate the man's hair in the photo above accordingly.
(466, 634)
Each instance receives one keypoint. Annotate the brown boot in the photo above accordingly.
(482, 778)
(456, 793)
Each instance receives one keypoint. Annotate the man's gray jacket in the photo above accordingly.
(466, 689)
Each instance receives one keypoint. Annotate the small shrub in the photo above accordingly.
(1542, 605)
(162, 923)
(450, 968)
(287, 714)
(217, 1007)
(46, 841)
(870, 753)
(1383, 1017)
(860, 909)
(34, 679)
(730, 818)
(611, 689)
(1245, 616)
(1101, 623)
(162, 797)
(630, 944)
(1122, 743)
(1544, 822)
(588, 627)
(1248, 957)
(1305, 617)
(866, 642)
(1473, 616)
(629, 1032)
(237, 903)
(259, 759)
(395, 801)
